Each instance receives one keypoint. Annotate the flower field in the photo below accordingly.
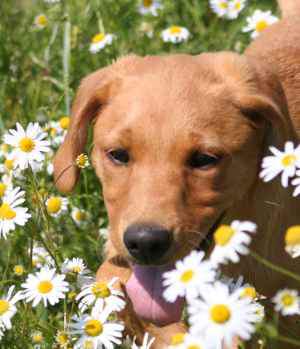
(51, 245)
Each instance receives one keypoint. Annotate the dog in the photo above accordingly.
(178, 143)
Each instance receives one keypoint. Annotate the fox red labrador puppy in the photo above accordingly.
(178, 142)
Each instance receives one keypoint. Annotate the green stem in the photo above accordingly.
(99, 17)
(44, 214)
(66, 57)
(289, 340)
(275, 267)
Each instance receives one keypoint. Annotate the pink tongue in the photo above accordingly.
(144, 288)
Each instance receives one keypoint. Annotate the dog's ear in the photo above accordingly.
(262, 99)
(93, 93)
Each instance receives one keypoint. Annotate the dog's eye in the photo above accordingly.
(119, 156)
(200, 160)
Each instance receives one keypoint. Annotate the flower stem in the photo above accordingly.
(275, 267)
(289, 340)
(66, 57)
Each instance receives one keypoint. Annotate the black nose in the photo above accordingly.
(147, 243)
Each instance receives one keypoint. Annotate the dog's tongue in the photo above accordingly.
(145, 289)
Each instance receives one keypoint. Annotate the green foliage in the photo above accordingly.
(33, 87)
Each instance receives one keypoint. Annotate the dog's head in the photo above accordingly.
(177, 142)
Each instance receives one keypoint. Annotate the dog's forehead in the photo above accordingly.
(172, 98)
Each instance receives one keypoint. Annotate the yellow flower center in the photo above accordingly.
(100, 290)
(64, 122)
(177, 338)
(53, 132)
(26, 144)
(147, 3)
(45, 286)
(76, 269)
(81, 160)
(98, 38)
(220, 313)
(237, 6)
(261, 25)
(4, 148)
(292, 236)
(194, 346)
(175, 30)
(41, 20)
(37, 338)
(88, 344)
(187, 276)
(80, 215)
(62, 338)
(287, 300)
(19, 270)
(2, 189)
(249, 292)
(289, 160)
(223, 235)
(72, 295)
(223, 5)
(4, 306)
(93, 328)
(6, 212)
(9, 164)
(54, 204)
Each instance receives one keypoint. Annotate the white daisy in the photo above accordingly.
(195, 342)
(50, 169)
(82, 161)
(235, 8)
(41, 257)
(41, 21)
(219, 7)
(75, 265)
(79, 216)
(99, 41)
(5, 186)
(258, 22)
(11, 213)
(45, 285)
(96, 329)
(2, 330)
(28, 145)
(56, 205)
(104, 232)
(189, 276)
(8, 308)
(222, 316)
(147, 342)
(63, 124)
(149, 7)
(284, 162)
(287, 302)
(296, 183)
(9, 168)
(260, 312)
(175, 34)
(98, 292)
(292, 241)
(231, 240)
(4, 150)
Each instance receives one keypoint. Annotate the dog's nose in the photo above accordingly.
(147, 243)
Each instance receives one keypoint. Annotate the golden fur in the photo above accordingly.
(160, 108)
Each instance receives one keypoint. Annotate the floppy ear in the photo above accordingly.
(93, 93)
(259, 108)
(264, 100)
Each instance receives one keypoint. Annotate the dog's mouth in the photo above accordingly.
(145, 289)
